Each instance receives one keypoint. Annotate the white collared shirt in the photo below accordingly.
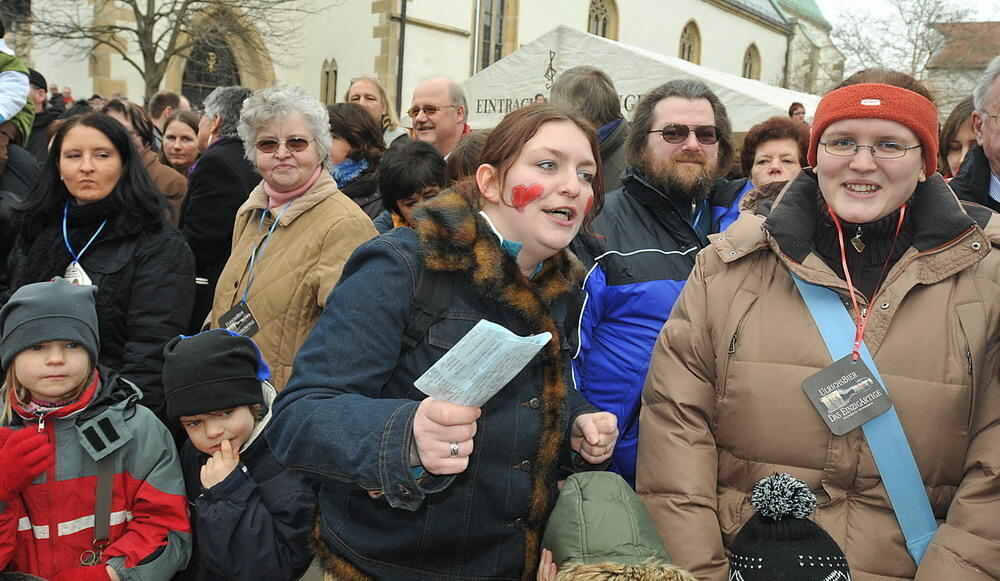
(995, 187)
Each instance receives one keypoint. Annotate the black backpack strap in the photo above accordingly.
(430, 301)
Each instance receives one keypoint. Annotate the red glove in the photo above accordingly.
(82, 573)
(25, 454)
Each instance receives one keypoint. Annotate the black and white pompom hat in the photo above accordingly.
(780, 543)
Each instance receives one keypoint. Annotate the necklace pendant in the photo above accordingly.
(858, 244)
(76, 275)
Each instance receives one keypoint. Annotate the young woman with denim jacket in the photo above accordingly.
(417, 488)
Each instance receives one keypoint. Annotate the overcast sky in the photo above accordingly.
(985, 9)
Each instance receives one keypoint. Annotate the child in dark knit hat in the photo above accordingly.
(252, 516)
(90, 484)
(780, 543)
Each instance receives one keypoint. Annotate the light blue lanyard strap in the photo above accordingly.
(884, 433)
(255, 256)
(697, 216)
(77, 257)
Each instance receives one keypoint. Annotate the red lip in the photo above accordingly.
(54, 377)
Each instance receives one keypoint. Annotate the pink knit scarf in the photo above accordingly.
(276, 198)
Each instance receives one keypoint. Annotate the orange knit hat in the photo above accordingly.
(879, 101)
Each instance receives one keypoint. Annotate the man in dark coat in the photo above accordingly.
(978, 180)
(45, 113)
(218, 185)
(590, 92)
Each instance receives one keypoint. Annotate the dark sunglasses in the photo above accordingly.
(677, 133)
(427, 109)
(295, 145)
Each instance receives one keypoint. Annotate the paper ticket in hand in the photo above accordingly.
(480, 364)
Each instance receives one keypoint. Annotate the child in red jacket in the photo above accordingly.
(91, 487)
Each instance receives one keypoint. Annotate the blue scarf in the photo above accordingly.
(509, 247)
(605, 131)
(345, 172)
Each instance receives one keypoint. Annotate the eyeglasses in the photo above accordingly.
(295, 144)
(427, 109)
(995, 116)
(677, 133)
(881, 150)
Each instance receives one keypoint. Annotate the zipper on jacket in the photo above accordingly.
(968, 355)
(732, 342)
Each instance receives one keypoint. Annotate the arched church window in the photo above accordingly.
(690, 49)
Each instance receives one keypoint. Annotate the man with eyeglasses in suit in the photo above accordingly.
(671, 199)
(978, 180)
(439, 113)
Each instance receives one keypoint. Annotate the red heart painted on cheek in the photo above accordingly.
(524, 195)
(590, 204)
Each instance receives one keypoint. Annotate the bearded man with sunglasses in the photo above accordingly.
(650, 230)
(218, 184)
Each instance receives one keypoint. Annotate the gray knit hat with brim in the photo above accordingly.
(49, 311)
(599, 519)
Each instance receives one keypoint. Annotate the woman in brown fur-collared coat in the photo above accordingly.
(418, 488)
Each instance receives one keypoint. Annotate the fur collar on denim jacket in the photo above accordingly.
(455, 239)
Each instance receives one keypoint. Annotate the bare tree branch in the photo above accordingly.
(904, 39)
(146, 34)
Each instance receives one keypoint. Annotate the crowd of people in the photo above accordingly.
(211, 328)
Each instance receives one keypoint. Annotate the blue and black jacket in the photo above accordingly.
(637, 267)
(255, 524)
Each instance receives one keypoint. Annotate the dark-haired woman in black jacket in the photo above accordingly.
(96, 218)
(357, 149)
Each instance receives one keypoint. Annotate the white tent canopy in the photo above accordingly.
(514, 80)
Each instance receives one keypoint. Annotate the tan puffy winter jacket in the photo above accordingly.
(723, 404)
(295, 272)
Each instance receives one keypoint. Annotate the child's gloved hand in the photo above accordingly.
(83, 573)
(25, 454)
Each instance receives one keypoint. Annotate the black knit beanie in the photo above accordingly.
(780, 543)
(211, 371)
(49, 311)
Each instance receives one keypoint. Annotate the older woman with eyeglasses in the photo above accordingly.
(293, 234)
(843, 330)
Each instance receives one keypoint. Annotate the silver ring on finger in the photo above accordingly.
(453, 449)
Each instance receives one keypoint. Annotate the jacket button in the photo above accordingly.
(521, 522)
(534, 403)
(525, 465)
(976, 246)
(884, 306)
(405, 492)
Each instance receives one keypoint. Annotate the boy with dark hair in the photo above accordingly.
(17, 110)
(251, 516)
(410, 172)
